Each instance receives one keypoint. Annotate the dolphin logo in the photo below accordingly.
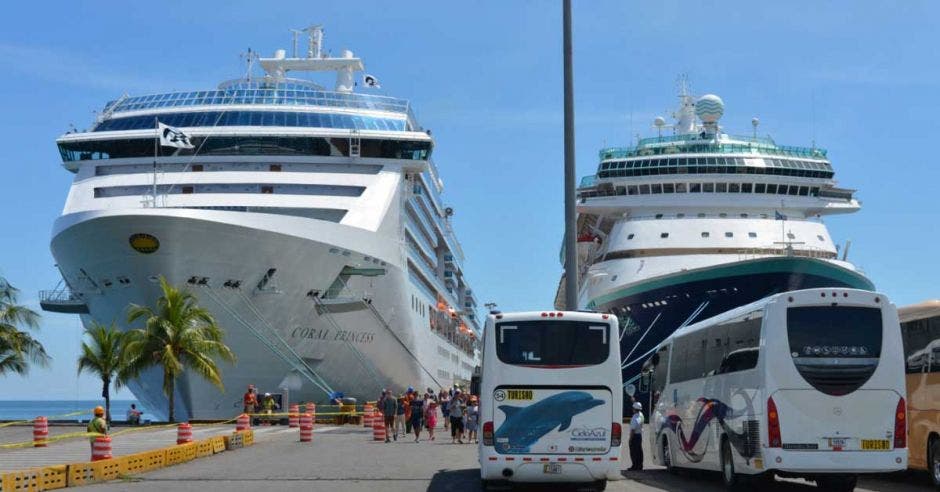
(524, 426)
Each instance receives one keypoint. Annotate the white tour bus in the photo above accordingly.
(551, 398)
(806, 384)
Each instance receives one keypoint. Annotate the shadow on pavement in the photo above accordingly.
(455, 480)
(703, 481)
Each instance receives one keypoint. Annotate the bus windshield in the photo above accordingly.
(834, 331)
(552, 343)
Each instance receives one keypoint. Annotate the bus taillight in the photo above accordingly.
(773, 424)
(900, 425)
(488, 433)
(615, 434)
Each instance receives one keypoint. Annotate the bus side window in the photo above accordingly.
(934, 346)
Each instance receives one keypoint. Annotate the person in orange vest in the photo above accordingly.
(97, 425)
(250, 400)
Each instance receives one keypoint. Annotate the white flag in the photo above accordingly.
(172, 137)
(370, 82)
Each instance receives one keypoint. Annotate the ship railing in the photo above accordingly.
(62, 300)
(802, 251)
(713, 148)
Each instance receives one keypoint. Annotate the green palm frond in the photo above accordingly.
(18, 349)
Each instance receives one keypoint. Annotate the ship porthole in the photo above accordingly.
(144, 243)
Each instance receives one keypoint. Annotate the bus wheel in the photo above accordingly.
(934, 455)
(732, 480)
(600, 486)
(667, 456)
(838, 483)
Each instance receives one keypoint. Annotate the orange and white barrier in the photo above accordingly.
(312, 410)
(40, 432)
(101, 448)
(306, 428)
(367, 412)
(243, 422)
(184, 433)
(293, 418)
(378, 427)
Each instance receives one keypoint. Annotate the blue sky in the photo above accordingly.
(860, 78)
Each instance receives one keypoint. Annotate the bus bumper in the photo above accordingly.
(536, 469)
(835, 461)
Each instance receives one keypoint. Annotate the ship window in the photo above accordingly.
(818, 236)
(734, 188)
(814, 191)
(267, 189)
(644, 189)
(275, 167)
(659, 216)
(187, 189)
(764, 216)
(752, 234)
(782, 189)
(708, 187)
(760, 188)
(669, 188)
(630, 236)
(657, 188)
(743, 216)
(794, 190)
(721, 187)
(804, 190)
(632, 190)
(680, 187)
(722, 215)
(746, 187)
(196, 168)
(771, 189)
(701, 215)
(695, 187)
(729, 234)
(664, 235)
(679, 216)
(706, 234)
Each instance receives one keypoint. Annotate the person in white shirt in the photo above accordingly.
(636, 438)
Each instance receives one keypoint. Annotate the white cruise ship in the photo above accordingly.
(308, 220)
(685, 226)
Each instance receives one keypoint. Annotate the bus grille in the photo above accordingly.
(751, 438)
(837, 380)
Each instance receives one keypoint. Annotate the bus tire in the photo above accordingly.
(837, 483)
(486, 484)
(933, 464)
(731, 479)
(666, 456)
(600, 486)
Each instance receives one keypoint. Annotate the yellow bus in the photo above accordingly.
(920, 330)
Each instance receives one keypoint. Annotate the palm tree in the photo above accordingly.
(177, 335)
(103, 357)
(17, 347)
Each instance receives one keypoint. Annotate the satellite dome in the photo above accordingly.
(709, 108)
(659, 121)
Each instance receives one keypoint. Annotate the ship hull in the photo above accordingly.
(295, 333)
(650, 311)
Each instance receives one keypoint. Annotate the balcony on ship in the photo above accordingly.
(62, 299)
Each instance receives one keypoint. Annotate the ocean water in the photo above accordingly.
(60, 409)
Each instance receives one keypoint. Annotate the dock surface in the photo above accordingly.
(346, 459)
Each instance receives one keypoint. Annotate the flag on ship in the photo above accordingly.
(370, 81)
(173, 137)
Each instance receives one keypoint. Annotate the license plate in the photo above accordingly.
(837, 442)
(519, 394)
(551, 468)
(875, 445)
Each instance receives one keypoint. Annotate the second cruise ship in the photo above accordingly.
(685, 226)
(308, 220)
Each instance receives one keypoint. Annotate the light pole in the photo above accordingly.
(571, 252)
(490, 307)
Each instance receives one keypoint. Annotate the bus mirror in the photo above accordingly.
(645, 382)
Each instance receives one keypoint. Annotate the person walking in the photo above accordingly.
(431, 418)
(98, 425)
(400, 417)
(636, 438)
(473, 420)
(445, 409)
(389, 406)
(456, 410)
(409, 397)
(417, 415)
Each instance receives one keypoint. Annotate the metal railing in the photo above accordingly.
(703, 147)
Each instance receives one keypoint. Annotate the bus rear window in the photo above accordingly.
(834, 331)
(552, 343)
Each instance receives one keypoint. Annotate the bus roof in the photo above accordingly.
(921, 310)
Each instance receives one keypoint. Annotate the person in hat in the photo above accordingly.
(250, 400)
(98, 425)
(636, 438)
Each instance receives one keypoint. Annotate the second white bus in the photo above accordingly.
(804, 384)
(551, 398)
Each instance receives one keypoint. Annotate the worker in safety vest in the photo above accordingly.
(250, 400)
(97, 425)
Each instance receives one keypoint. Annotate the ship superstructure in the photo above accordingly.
(308, 220)
(687, 225)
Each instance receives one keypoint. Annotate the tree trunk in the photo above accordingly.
(106, 394)
(170, 385)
